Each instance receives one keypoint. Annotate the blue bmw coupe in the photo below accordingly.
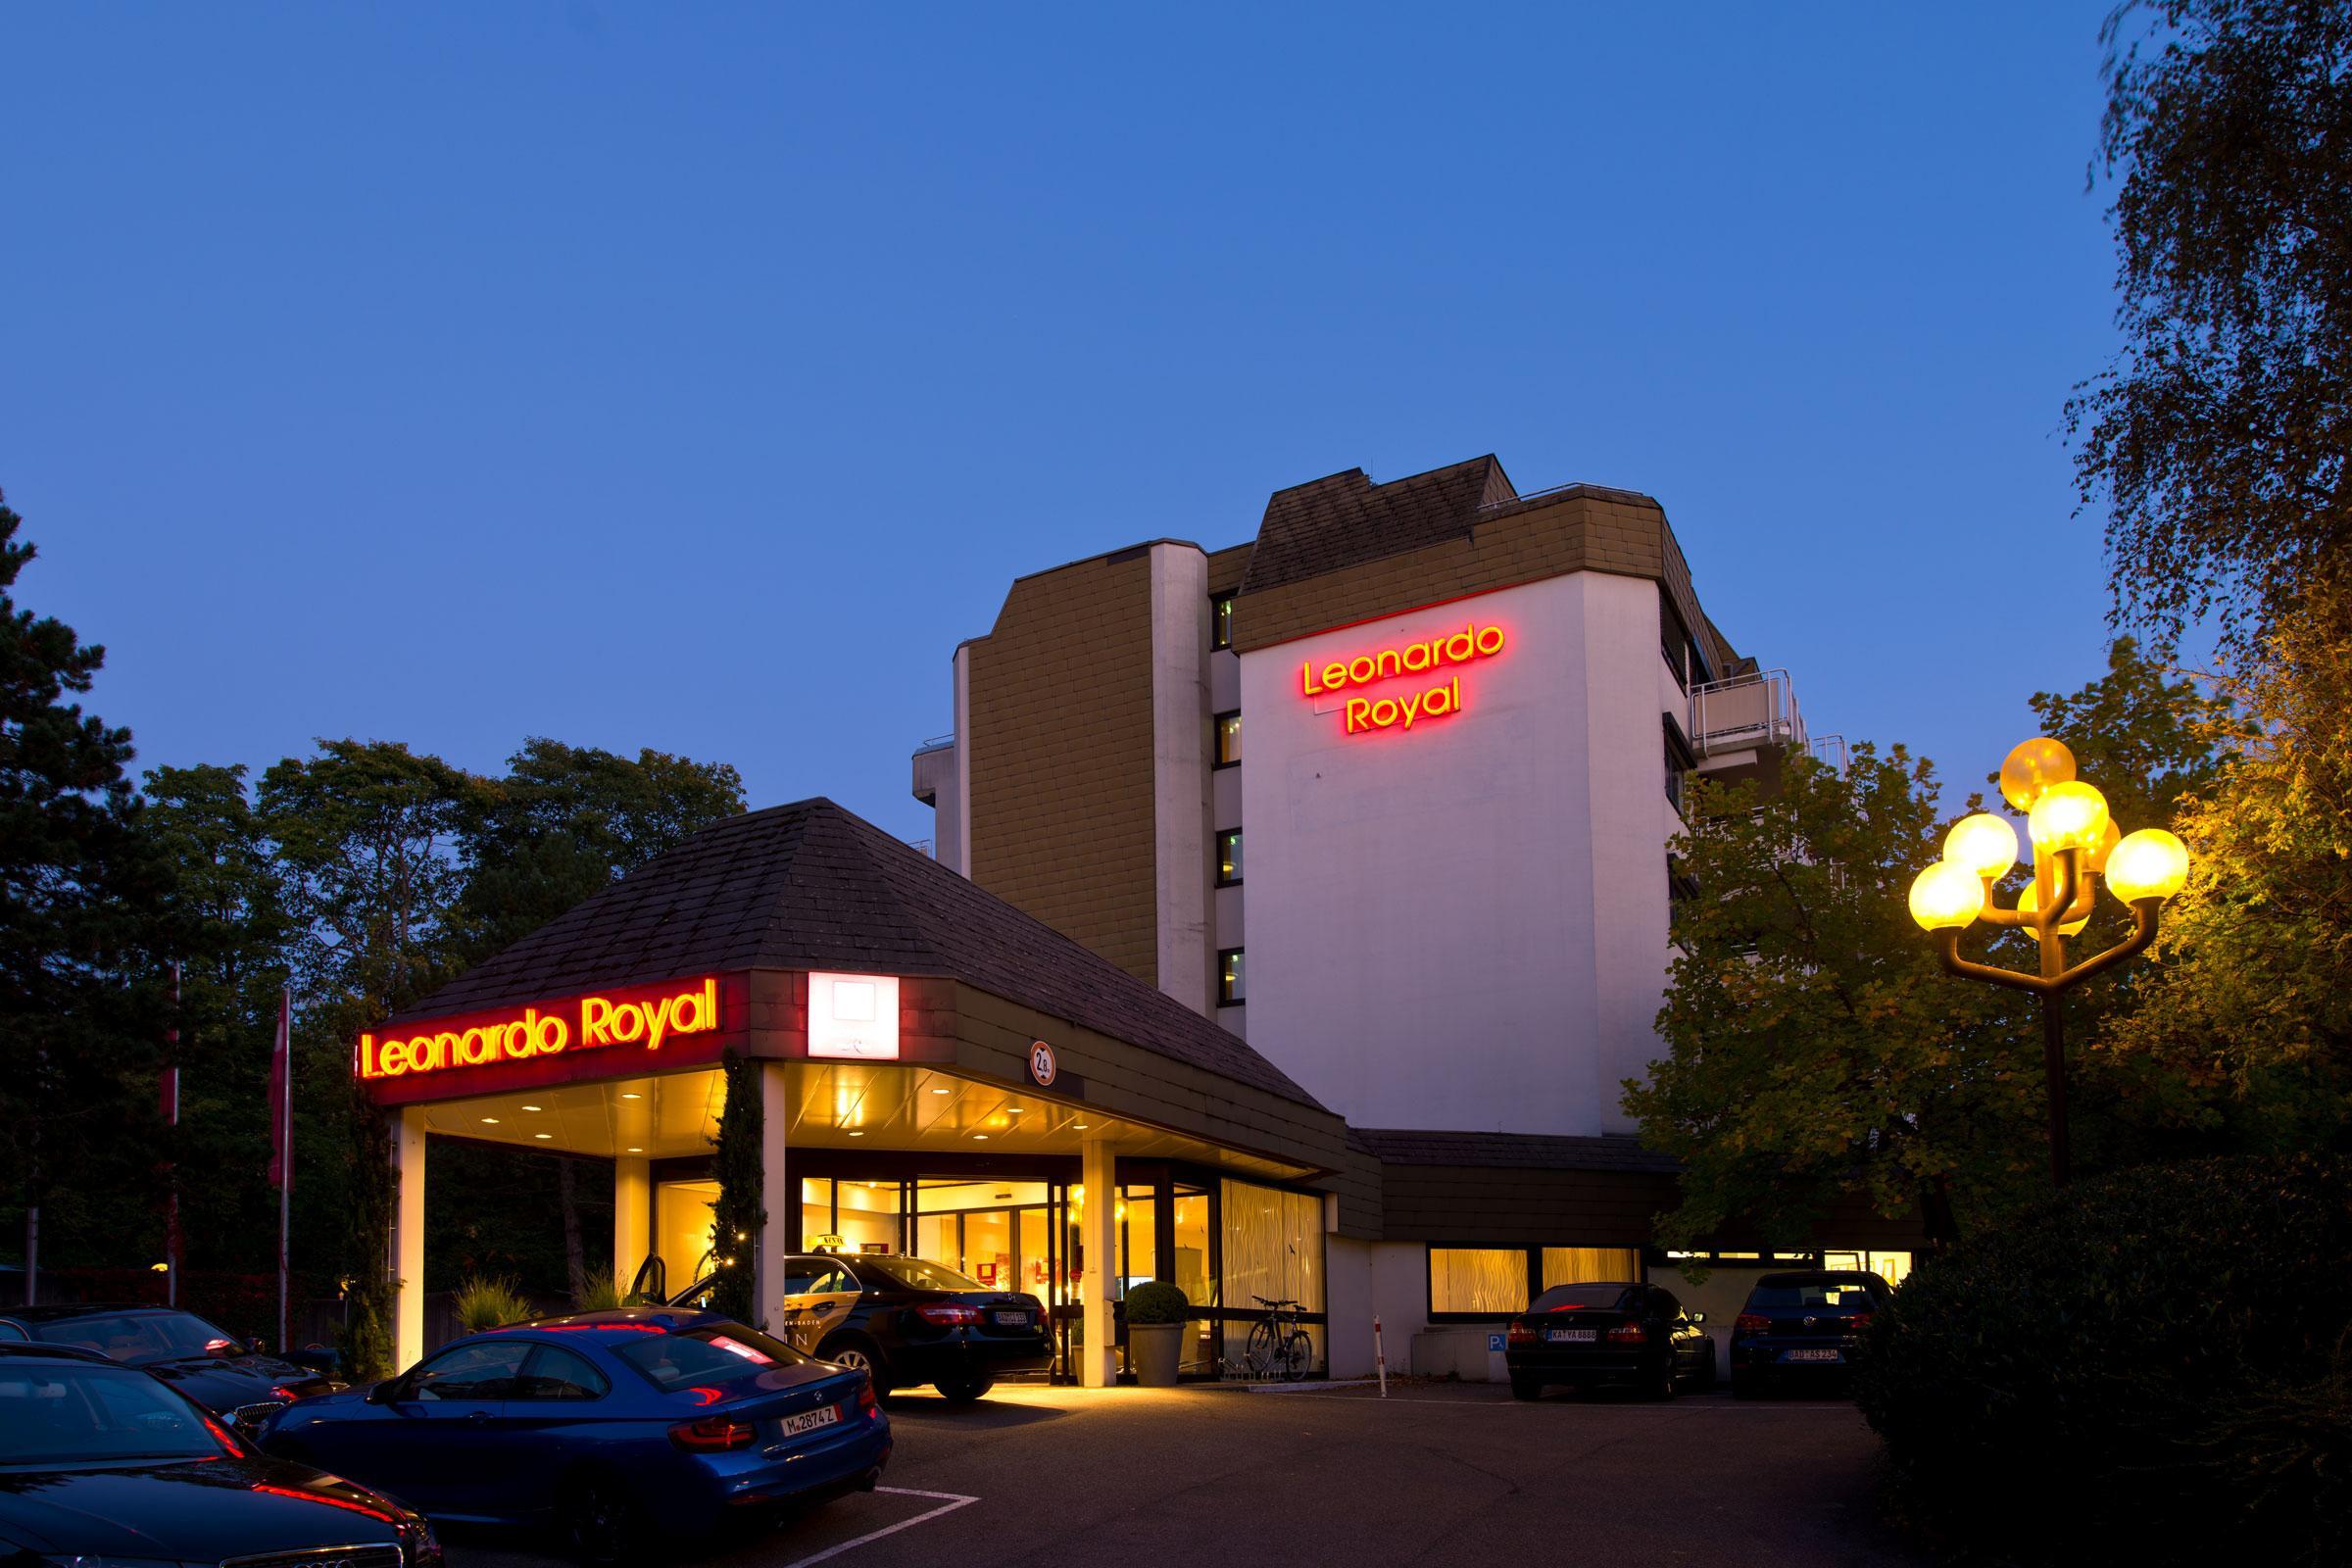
(621, 1429)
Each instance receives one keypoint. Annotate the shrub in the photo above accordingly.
(1156, 1301)
(2154, 1365)
(603, 1294)
(488, 1304)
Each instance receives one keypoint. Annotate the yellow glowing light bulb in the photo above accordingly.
(2031, 900)
(2033, 766)
(2150, 864)
(1946, 897)
(1984, 842)
(2068, 816)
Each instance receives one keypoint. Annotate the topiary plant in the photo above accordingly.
(1156, 1301)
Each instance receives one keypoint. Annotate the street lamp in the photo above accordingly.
(2075, 845)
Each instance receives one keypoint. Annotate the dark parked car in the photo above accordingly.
(623, 1429)
(906, 1321)
(1587, 1335)
(102, 1465)
(219, 1371)
(1802, 1326)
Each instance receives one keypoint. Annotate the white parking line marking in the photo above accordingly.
(949, 1503)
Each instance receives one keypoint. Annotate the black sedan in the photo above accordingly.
(1587, 1336)
(1803, 1326)
(903, 1321)
(100, 1463)
(215, 1369)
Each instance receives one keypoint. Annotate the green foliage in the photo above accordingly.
(737, 1219)
(368, 1339)
(81, 1005)
(2154, 1366)
(601, 1293)
(1816, 1053)
(1156, 1301)
(2218, 441)
(489, 1304)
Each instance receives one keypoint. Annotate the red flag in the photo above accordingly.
(282, 1097)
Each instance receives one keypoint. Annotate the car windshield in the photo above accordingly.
(706, 1358)
(60, 1414)
(1837, 1295)
(137, 1337)
(918, 1275)
(1580, 1298)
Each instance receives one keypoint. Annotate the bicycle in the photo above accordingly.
(1278, 1347)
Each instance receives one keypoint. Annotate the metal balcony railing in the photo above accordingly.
(1744, 713)
(936, 743)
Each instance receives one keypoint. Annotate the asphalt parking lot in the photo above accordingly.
(1435, 1474)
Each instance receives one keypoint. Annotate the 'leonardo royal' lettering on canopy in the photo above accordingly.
(588, 1022)
(1361, 714)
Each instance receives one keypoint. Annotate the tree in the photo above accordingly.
(1816, 1052)
(79, 1015)
(738, 1219)
(2221, 439)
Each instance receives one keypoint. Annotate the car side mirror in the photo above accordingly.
(1696, 1318)
(388, 1392)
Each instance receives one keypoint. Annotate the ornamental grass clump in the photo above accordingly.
(2155, 1366)
(489, 1304)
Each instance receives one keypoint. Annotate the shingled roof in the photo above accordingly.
(1508, 1151)
(1345, 518)
(811, 886)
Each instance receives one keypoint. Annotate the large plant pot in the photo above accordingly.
(1154, 1351)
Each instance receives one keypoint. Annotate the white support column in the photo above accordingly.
(777, 1193)
(632, 1217)
(1098, 1240)
(408, 1236)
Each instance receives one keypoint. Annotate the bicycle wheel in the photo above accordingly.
(1298, 1357)
(1259, 1358)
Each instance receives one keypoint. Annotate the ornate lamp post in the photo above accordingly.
(2075, 846)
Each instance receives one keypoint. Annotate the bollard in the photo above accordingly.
(1380, 1358)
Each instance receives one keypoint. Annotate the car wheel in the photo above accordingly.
(1526, 1389)
(602, 1521)
(1663, 1386)
(858, 1356)
(962, 1391)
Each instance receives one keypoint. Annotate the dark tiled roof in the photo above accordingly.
(1345, 520)
(811, 886)
(1405, 1145)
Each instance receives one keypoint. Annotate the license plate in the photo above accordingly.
(792, 1426)
(1009, 1320)
(1812, 1355)
(1569, 1335)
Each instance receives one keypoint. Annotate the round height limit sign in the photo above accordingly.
(1042, 1069)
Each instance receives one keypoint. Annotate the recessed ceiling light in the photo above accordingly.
(634, 1149)
(1077, 1126)
(543, 1136)
(632, 1096)
(534, 1107)
(854, 1133)
(980, 1138)
(943, 1091)
(489, 1122)
(1014, 1110)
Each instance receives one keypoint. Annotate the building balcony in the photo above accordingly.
(1740, 728)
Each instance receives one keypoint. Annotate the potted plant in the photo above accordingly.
(1156, 1318)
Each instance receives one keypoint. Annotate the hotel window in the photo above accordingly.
(1220, 621)
(1229, 739)
(1230, 990)
(1680, 884)
(1680, 762)
(1229, 857)
(1477, 1281)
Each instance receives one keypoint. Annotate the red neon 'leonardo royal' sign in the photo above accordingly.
(1362, 714)
(651, 1015)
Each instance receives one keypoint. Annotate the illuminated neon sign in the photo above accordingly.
(645, 1017)
(1361, 714)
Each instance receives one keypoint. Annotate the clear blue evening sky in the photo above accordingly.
(696, 376)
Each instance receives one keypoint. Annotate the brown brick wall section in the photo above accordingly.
(1225, 568)
(1060, 705)
(1545, 537)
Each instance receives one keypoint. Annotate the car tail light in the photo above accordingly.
(867, 1400)
(948, 1315)
(1520, 1332)
(1751, 1323)
(1629, 1334)
(1860, 1321)
(713, 1434)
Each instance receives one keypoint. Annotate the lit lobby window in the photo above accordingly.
(1229, 857)
(1489, 1280)
(1229, 739)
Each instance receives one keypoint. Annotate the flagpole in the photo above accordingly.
(286, 1144)
(171, 1108)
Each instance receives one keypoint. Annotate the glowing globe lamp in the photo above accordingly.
(2033, 766)
(2150, 864)
(2031, 900)
(2096, 859)
(1984, 842)
(1946, 897)
(2068, 816)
